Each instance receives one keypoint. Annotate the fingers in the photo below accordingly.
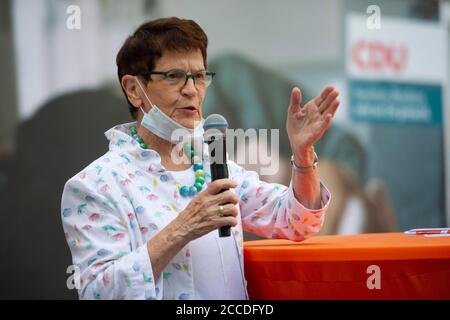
(328, 101)
(333, 107)
(218, 185)
(327, 122)
(229, 210)
(226, 221)
(296, 100)
(319, 99)
(329, 115)
(227, 197)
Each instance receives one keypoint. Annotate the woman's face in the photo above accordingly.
(181, 103)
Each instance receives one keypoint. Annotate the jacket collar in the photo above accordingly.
(121, 142)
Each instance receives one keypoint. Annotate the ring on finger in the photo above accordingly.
(221, 211)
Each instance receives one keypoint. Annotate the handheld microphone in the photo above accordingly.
(215, 127)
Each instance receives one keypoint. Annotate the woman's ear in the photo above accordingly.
(129, 84)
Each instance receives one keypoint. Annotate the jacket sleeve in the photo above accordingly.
(112, 264)
(271, 210)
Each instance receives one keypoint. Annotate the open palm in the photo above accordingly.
(306, 125)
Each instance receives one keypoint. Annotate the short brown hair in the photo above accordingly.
(149, 42)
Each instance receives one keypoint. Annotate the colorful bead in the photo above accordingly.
(192, 191)
(198, 186)
(200, 180)
(184, 191)
(199, 173)
(198, 166)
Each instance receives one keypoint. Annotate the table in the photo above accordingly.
(344, 267)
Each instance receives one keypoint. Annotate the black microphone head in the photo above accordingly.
(216, 121)
(215, 127)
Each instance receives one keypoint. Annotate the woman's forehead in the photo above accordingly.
(188, 61)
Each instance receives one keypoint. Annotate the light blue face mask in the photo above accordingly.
(163, 126)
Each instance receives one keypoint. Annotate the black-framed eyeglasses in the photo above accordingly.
(178, 77)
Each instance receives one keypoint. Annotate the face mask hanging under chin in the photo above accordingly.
(166, 128)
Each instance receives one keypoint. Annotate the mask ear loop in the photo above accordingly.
(140, 86)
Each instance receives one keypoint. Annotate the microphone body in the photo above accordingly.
(215, 127)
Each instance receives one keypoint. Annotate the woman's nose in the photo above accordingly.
(189, 87)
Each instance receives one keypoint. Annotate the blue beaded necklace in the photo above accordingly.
(189, 151)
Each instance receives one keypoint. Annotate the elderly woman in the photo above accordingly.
(139, 224)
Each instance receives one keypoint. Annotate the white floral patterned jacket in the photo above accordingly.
(121, 200)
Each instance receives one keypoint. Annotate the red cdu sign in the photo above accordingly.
(379, 57)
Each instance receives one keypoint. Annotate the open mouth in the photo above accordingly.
(190, 108)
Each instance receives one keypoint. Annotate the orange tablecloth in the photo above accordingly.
(335, 267)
